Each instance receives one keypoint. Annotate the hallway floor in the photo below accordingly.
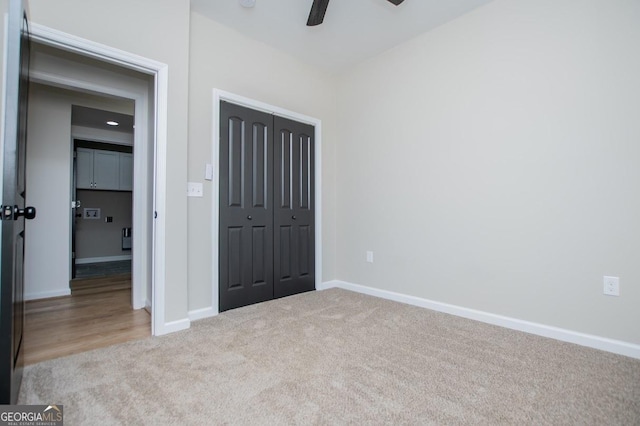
(68, 325)
(86, 270)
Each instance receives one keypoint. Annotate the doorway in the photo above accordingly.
(150, 142)
(102, 192)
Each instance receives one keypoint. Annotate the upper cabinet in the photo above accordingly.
(106, 170)
(84, 168)
(126, 171)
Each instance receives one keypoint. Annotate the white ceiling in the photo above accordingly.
(353, 30)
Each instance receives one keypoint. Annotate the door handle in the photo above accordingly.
(14, 212)
(249, 217)
(294, 217)
(28, 213)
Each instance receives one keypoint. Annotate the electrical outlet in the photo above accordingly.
(611, 286)
(370, 256)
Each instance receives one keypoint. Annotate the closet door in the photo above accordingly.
(294, 242)
(246, 212)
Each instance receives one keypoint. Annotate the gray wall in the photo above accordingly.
(96, 237)
(499, 169)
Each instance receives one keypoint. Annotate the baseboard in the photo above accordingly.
(199, 314)
(173, 326)
(102, 259)
(610, 345)
(47, 294)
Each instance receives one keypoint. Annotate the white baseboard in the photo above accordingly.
(199, 314)
(173, 326)
(610, 345)
(47, 294)
(102, 259)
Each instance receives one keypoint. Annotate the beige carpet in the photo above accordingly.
(336, 357)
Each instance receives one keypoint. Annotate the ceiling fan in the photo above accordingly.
(319, 7)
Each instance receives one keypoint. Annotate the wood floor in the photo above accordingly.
(94, 316)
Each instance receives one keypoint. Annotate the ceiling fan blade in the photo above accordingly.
(396, 2)
(318, 9)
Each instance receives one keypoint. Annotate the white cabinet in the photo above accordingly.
(107, 170)
(126, 171)
(84, 168)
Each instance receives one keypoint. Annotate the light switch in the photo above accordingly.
(208, 172)
(194, 189)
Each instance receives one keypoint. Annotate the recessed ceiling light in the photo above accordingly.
(113, 123)
(248, 3)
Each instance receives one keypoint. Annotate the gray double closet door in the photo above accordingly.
(267, 244)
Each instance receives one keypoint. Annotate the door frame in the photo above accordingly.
(158, 184)
(221, 95)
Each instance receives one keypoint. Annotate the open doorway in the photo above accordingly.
(102, 199)
(59, 139)
(150, 143)
(65, 87)
(87, 78)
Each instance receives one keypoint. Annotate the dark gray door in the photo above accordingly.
(13, 210)
(246, 212)
(294, 241)
(266, 207)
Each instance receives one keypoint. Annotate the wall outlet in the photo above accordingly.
(194, 189)
(611, 286)
(370, 256)
(91, 213)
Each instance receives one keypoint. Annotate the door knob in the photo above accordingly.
(27, 212)
(294, 217)
(249, 217)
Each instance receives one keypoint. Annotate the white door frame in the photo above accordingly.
(159, 72)
(221, 95)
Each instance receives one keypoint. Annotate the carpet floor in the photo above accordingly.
(337, 357)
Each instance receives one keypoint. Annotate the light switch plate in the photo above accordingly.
(208, 172)
(194, 189)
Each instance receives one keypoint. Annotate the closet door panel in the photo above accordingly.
(246, 197)
(294, 245)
